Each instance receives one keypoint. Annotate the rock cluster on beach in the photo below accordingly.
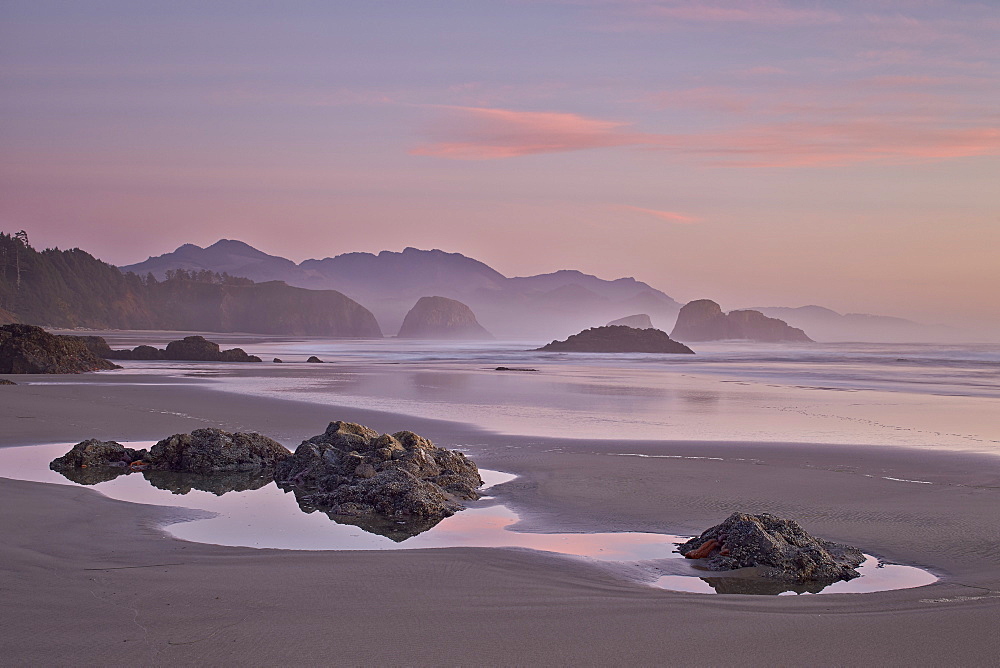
(618, 339)
(703, 320)
(204, 451)
(30, 349)
(441, 318)
(396, 485)
(190, 348)
(780, 548)
(353, 471)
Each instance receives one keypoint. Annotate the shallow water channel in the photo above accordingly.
(267, 517)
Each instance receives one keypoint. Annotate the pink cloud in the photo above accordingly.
(759, 12)
(671, 216)
(483, 134)
(480, 133)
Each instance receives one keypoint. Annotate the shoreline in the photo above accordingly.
(458, 605)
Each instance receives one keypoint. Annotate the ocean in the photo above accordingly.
(937, 396)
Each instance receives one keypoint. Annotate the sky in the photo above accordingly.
(759, 153)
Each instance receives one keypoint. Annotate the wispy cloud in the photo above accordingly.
(484, 134)
(759, 13)
(480, 133)
(670, 216)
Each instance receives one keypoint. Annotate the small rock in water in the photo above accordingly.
(315, 360)
(780, 547)
(277, 360)
(4, 381)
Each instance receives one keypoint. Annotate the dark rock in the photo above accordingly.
(190, 348)
(146, 353)
(618, 339)
(314, 360)
(703, 320)
(277, 360)
(4, 381)
(182, 482)
(352, 471)
(95, 454)
(211, 451)
(441, 318)
(193, 348)
(505, 368)
(95, 344)
(781, 549)
(30, 349)
(639, 321)
(237, 355)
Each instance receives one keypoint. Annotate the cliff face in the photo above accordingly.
(703, 320)
(441, 318)
(618, 339)
(263, 308)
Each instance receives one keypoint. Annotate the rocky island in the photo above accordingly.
(703, 320)
(441, 318)
(618, 339)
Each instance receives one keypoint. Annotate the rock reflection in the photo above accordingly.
(762, 586)
(93, 475)
(393, 529)
(181, 482)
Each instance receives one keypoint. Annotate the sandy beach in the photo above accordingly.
(89, 580)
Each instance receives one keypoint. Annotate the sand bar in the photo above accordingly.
(89, 580)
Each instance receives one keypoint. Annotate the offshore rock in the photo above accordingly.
(30, 349)
(618, 339)
(212, 451)
(780, 548)
(353, 471)
(4, 381)
(703, 320)
(441, 318)
(199, 349)
(190, 348)
(95, 454)
(314, 360)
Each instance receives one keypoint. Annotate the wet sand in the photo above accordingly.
(89, 580)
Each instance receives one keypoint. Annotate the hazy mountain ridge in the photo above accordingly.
(824, 324)
(72, 288)
(390, 282)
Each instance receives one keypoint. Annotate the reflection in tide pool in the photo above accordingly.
(269, 518)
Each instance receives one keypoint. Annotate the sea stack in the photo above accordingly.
(618, 339)
(441, 318)
(703, 320)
